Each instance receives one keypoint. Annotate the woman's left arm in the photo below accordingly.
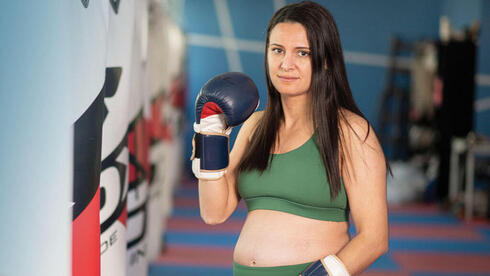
(364, 177)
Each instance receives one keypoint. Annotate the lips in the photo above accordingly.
(287, 78)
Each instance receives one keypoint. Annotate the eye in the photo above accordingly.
(277, 50)
(303, 53)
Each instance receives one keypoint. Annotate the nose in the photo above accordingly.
(287, 63)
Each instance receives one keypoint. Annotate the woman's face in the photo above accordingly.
(288, 59)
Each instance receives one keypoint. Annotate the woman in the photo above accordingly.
(325, 161)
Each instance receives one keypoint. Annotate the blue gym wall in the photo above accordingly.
(365, 28)
(462, 13)
(482, 118)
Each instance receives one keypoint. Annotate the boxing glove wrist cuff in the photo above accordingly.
(210, 155)
(213, 152)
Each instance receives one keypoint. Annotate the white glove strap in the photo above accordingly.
(213, 124)
(196, 169)
(334, 266)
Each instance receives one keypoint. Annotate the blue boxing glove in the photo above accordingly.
(329, 266)
(225, 101)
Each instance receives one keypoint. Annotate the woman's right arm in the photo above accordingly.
(219, 198)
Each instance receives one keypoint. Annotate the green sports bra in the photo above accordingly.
(295, 183)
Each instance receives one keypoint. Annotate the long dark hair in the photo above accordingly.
(330, 92)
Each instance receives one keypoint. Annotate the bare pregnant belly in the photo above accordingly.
(273, 238)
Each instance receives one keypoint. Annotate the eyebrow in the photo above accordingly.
(299, 47)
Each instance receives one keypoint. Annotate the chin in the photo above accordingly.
(291, 91)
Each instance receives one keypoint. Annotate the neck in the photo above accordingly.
(297, 112)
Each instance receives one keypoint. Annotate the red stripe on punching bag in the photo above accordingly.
(86, 240)
(177, 96)
(124, 216)
(156, 119)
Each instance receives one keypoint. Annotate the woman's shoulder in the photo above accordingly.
(353, 124)
(358, 135)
